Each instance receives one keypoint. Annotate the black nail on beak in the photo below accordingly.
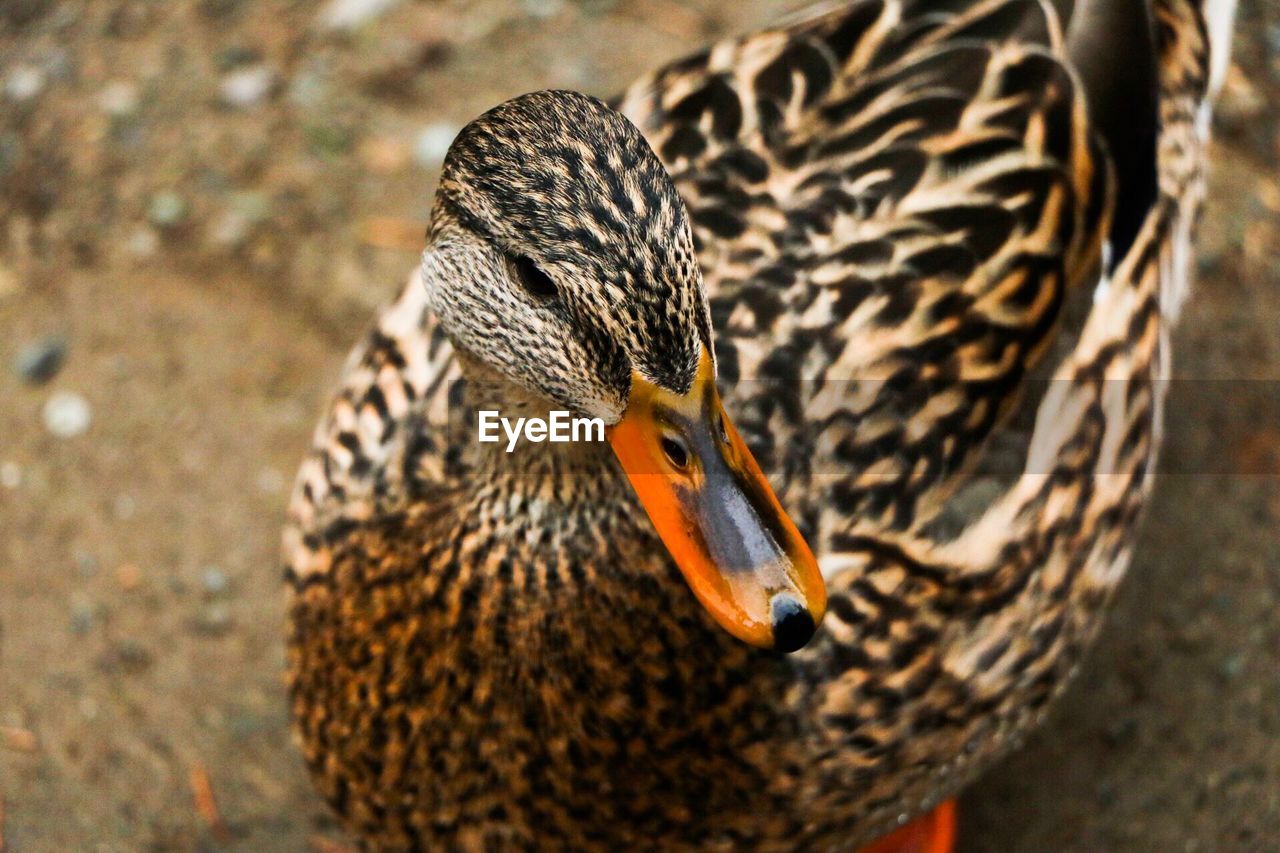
(792, 624)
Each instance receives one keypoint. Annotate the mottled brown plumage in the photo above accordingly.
(939, 342)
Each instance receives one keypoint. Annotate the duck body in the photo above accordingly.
(895, 207)
(581, 698)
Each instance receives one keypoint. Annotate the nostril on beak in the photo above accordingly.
(793, 625)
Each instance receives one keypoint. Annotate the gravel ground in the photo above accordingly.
(200, 204)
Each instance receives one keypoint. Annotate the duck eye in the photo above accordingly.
(533, 279)
(675, 452)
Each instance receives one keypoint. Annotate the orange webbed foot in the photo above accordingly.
(932, 833)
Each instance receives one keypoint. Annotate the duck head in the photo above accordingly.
(560, 257)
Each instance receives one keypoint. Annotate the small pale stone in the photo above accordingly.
(247, 87)
(230, 229)
(67, 414)
(543, 8)
(143, 243)
(432, 144)
(214, 581)
(24, 83)
(167, 209)
(351, 14)
(118, 98)
(10, 475)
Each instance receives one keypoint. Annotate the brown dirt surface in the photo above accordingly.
(205, 199)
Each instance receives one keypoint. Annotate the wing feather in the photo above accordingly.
(891, 200)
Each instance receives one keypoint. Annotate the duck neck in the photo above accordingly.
(558, 543)
(516, 455)
(564, 521)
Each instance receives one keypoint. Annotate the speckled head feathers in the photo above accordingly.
(560, 180)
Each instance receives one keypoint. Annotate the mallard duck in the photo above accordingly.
(873, 309)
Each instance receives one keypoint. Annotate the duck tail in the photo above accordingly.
(1146, 67)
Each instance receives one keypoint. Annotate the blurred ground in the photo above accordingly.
(203, 200)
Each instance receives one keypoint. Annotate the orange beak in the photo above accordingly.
(715, 512)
